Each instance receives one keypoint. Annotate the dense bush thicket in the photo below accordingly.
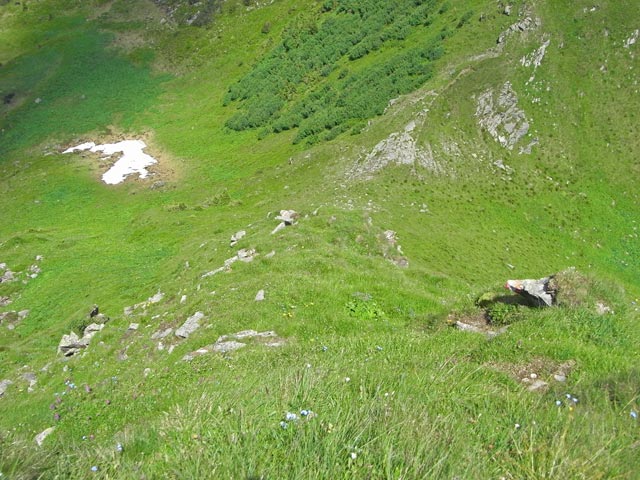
(295, 86)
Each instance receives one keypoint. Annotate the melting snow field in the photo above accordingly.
(133, 159)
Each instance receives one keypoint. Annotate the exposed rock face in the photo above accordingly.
(399, 148)
(538, 293)
(229, 343)
(190, 325)
(534, 59)
(498, 113)
(524, 25)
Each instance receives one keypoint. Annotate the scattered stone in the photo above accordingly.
(228, 346)
(32, 379)
(90, 331)
(632, 39)
(538, 386)
(4, 384)
(146, 372)
(259, 296)
(71, 344)
(507, 10)
(183, 299)
(7, 276)
(39, 258)
(161, 334)
(42, 435)
(245, 255)
(559, 377)
(271, 254)
(4, 301)
(289, 217)
(280, 226)
(500, 116)
(603, 309)
(538, 293)
(157, 298)
(190, 325)
(235, 238)
(134, 326)
(390, 240)
(229, 343)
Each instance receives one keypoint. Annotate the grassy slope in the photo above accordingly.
(219, 416)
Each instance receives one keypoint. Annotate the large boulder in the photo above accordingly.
(538, 293)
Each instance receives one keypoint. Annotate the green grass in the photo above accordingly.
(423, 400)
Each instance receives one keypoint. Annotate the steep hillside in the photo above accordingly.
(307, 283)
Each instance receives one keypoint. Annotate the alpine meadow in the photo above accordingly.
(319, 239)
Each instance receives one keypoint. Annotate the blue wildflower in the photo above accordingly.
(634, 414)
(94, 469)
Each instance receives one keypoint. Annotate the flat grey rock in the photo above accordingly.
(190, 325)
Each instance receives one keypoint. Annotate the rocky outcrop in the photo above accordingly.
(524, 25)
(399, 148)
(499, 115)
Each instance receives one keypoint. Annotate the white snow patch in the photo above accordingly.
(133, 159)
